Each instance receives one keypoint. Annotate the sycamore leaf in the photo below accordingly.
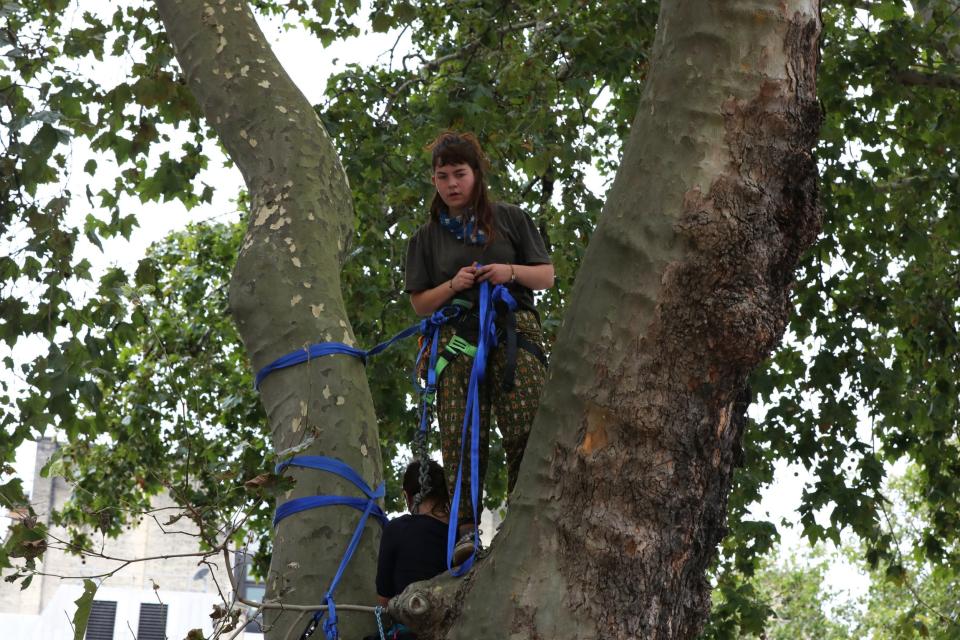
(84, 603)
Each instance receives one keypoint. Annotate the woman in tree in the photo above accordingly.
(468, 240)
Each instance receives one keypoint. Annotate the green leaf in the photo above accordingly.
(55, 466)
(381, 21)
(84, 603)
(11, 494)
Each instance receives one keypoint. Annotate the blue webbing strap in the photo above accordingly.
(487, 340)
(426, 392)
(368, 506)
(336, 467)
(338, 348)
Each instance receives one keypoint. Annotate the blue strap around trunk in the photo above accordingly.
(426, 326)
(367, 505)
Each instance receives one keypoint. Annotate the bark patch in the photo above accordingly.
(595, 436)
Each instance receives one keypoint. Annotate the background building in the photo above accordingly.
(152, 600)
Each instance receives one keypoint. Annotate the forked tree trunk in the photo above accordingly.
(685, 288)
(285, 293)
(622, 495)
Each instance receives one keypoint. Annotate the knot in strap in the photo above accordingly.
(502, 294)
(330, 624)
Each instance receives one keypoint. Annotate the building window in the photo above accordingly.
(153, 622)
(103, 613)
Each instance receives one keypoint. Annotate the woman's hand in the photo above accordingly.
(495, 273)
(464, 279)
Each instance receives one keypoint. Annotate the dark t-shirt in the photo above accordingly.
(435, 255)
(412, 548)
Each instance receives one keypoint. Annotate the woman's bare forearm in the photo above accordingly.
(426, 302)
(534, 276)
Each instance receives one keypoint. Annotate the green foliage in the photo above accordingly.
(787, 598)
(913, 590)
(49, 100)
(876, 301)
(144, 374)
(791, 596)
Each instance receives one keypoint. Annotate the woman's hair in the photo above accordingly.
(451, 147)
(438, 485)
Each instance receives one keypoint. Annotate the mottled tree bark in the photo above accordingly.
(285, 292)
(622, 495)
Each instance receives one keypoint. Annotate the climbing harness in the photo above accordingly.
(463, 342)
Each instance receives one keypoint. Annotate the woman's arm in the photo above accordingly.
(535, 276)
(426, 302)
(532, 276)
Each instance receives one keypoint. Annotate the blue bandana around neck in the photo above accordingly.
(469, 233)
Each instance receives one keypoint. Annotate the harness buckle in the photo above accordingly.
(461, 347)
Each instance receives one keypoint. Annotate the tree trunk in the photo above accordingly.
(622, 495)
(285, 293)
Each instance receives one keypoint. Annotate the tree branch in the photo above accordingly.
(927, 79)
(897, 183)
(429, 607)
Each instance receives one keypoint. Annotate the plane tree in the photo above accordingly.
(152, 360)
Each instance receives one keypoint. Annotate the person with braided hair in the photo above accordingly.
(469, 239)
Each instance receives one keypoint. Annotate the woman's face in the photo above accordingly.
(454, 183)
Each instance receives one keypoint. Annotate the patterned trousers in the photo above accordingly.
(513, 410)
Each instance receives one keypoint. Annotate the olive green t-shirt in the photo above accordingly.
(435, 255)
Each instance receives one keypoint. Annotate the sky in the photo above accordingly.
(309, 65)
